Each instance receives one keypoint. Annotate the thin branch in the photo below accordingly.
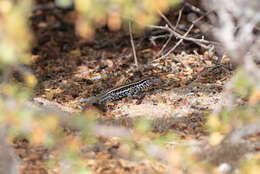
(195, 9)
(179, 18)
(184, 37)
(168, 22)
(178, 43)
(153, 38)
(164, 46)
(177, 35)
(171, 34)
(133, 45)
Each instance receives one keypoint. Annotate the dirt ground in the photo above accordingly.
(69, 68)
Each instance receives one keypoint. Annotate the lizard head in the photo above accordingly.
(153, 80)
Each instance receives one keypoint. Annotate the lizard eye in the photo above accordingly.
(153, 79)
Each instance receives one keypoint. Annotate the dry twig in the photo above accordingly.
(195, 9)
(173, 32)
(133, 45)
(179, 18)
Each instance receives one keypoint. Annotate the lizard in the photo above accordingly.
(131, 89)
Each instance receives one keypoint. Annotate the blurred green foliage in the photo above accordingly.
(251, 166)
(15, 35)
(143, 126)
(117, 13)
(64, 3)
(141, 11)
(243, 83)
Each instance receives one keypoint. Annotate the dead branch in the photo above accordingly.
(133, 45)
(173, 32)
(164, 45)
(195, 9)
(153, 38)
(184, 37)
(179, 18)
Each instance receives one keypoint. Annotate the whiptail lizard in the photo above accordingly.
(117, 93)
